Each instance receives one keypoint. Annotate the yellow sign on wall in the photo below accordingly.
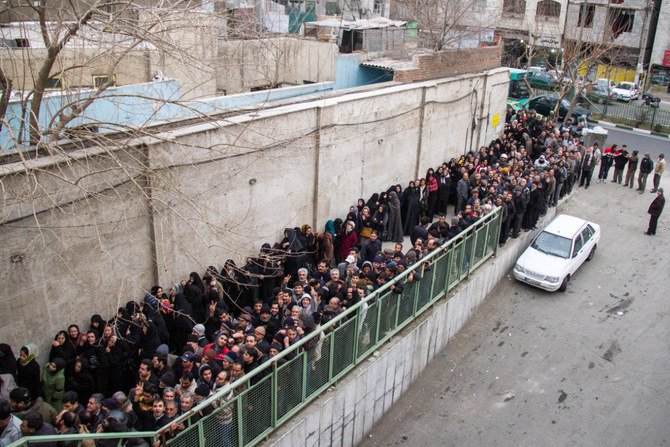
(495, 120)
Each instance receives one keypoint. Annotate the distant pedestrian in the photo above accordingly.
(646, 166)
(658, 171)
(620, 162)
(606, 162)
(632, 167)
(655, 210)
(588, 164)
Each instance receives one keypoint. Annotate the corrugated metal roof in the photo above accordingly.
(378, 22)
(389, 64)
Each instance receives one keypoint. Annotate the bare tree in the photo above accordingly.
(445, 24)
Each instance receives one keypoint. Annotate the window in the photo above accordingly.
(586, 234)
(548, 8)
(378, 6)
(586, 15)
(514, 6)
(621, 21)
(578, 246)
(99, 80)
(479, 5)
(54, 83)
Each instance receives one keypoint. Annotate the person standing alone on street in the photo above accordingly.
(658, 171)
(632, 167)
(646, 166)
(655, 210)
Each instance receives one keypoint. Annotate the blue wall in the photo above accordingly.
(349, 73)
(139, 105)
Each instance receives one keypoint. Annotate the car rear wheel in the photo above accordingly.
(564, 284)
(592, 254)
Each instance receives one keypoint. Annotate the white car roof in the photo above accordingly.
(565, 225)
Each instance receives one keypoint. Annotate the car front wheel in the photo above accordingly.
(564, 284)
(592, 253)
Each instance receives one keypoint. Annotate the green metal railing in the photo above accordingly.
(245, 412)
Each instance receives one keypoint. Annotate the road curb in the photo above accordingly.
(632, 129)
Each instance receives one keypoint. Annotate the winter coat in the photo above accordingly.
(81, 382)
(656, 207)
(394, 231)
(348, 241)
(53, 384)
(12, 431)
(28, 376)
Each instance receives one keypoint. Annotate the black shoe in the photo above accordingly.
(652, 191)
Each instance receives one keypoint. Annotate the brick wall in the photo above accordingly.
(449, 63)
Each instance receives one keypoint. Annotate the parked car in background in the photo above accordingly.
(627, 91)
(602, 90)
(545, 104)
(541, 79)
(660, 79)
(557, 252)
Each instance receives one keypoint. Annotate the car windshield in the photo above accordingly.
(552, 244)
(624, 86)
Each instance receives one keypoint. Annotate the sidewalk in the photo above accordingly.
(608, 124)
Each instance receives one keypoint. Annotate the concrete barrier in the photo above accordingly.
(346, 413)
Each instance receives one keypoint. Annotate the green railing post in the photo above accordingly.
(496, 235)
(450, 260)
(379, 318)
(305, 373)
(473, 249)
(201, 434)
(433, 274)
(331, 361)
(275, 401)
(398, 303)
(357, 333)
(240, 423)
(415, 298)
(486, 239)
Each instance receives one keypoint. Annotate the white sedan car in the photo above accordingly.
(557, 252)
(626, 91)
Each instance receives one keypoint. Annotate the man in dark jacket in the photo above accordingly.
(462, 190)
(646, 166)
(620, 162)
(520, 202)
(420, 231)
(655, 210)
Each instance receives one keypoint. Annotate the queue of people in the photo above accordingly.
(159, 357)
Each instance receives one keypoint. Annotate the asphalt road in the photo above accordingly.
(589, 367)
(644, 143)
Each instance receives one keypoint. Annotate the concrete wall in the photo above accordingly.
(183, 48)
(246, 64)
(662, 36)
(200, 194)
(348, 411)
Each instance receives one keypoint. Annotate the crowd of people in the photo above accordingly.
(158, 358)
